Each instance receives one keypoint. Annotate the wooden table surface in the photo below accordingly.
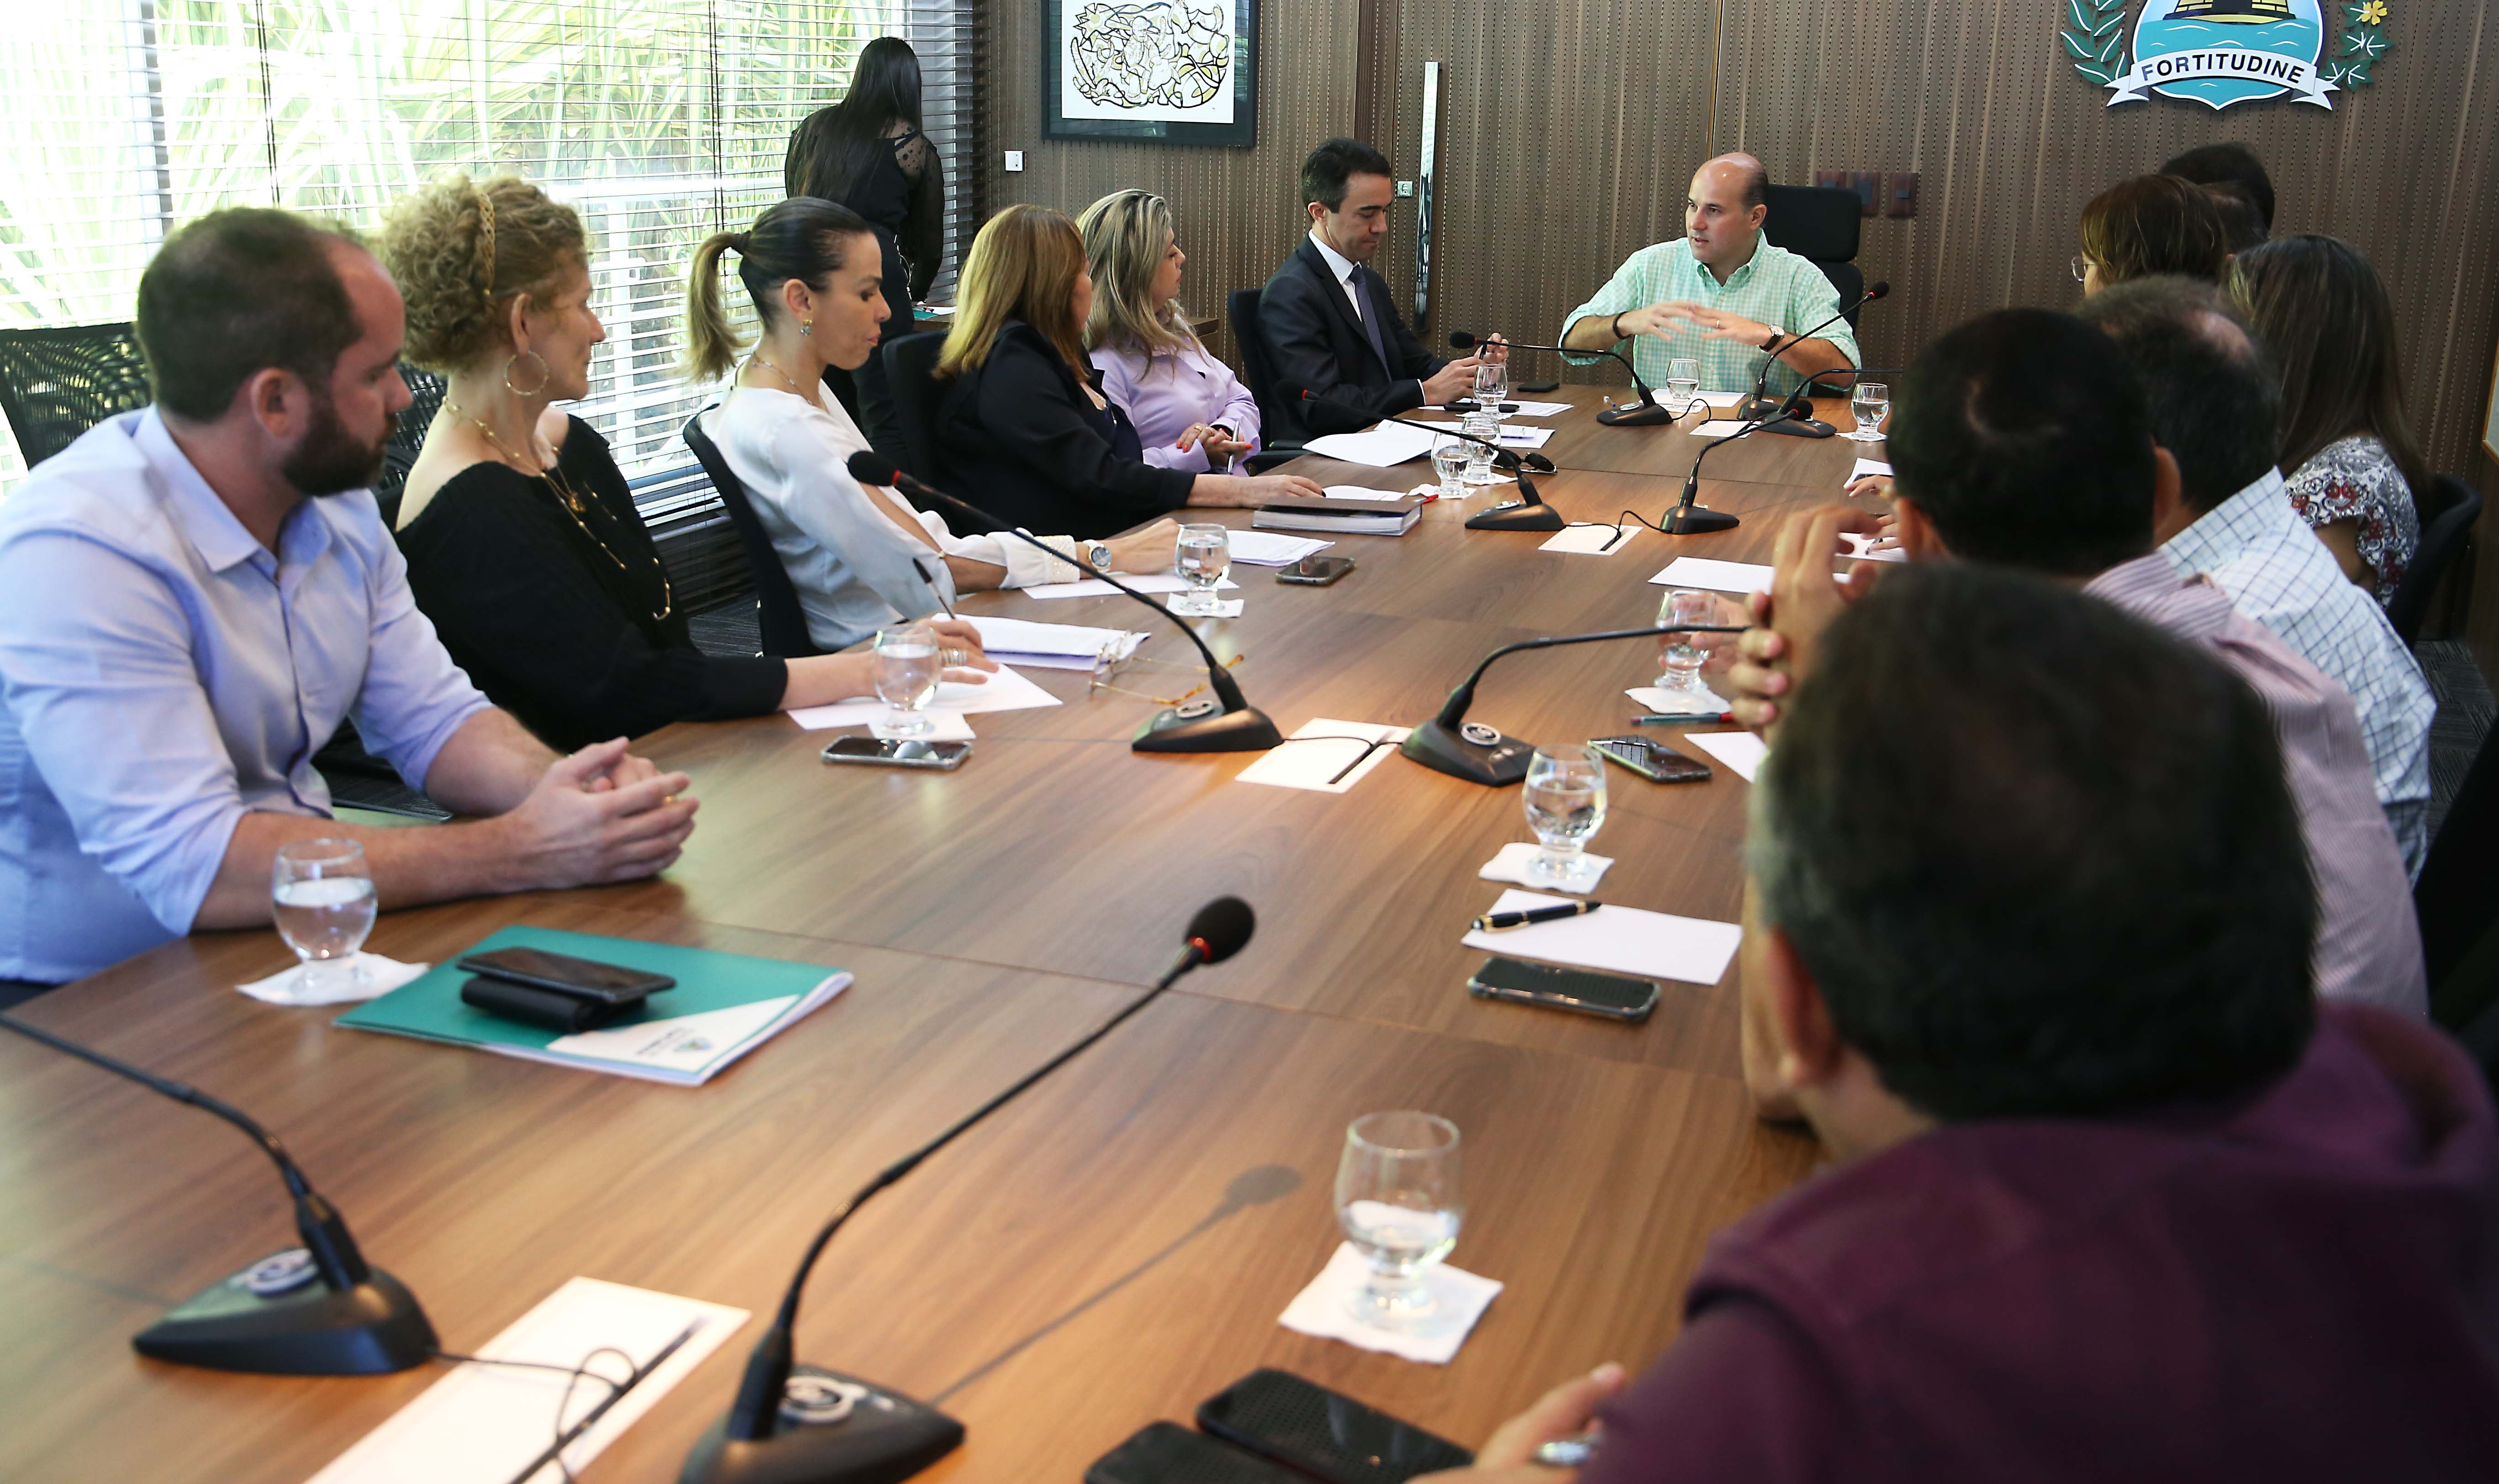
(1113, 1249)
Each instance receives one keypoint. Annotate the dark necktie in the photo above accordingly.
(1370, 315)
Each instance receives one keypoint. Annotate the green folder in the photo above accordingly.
(724, 1006)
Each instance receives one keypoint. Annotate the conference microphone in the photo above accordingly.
(806, 1425)
(1689, 519)
(1648, 413)
(1479, 753)
(317, 1309)
(1761, 407)
(1197, 727)
(1528, 513)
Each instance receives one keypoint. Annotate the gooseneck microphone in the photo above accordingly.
(804, 1425)
(1528, 513)
(1762, 408)
(1689, 519)
(1451, 744)
(1648, 413)
(318, 1309)
(1192, 728)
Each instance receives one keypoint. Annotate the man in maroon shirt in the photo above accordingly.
(2117, 1197)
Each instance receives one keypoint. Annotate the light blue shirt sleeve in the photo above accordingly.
(85, 680)
(413, 697)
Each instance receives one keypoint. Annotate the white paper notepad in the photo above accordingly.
(1051, 646)
(1621, 939)
(1005, 691)
(1315, 763)
(1593, 540)
(1717, 576)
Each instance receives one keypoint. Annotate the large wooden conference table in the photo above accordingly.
(1111, 1250)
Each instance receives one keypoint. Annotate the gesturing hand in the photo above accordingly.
(1778, 652)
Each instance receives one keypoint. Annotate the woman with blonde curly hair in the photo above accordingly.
(522, 541)
(1190, 410)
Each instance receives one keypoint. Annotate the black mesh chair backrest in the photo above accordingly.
(408, 440)
(2441, 539)
(56, 383)
(1820, 222)
(910, 367)
(2457, 895)
(780, 620)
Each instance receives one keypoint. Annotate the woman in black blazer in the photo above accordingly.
(1023, 428)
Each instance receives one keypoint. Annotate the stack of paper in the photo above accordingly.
(1511, 437)
(1361, 492)
(1267, 548)
(1534, 408)
(1387, 445)
(1052, 646)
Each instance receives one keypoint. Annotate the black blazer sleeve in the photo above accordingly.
(1030, 402)
(1298, 327)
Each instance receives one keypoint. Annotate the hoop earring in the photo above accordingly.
(544, 373)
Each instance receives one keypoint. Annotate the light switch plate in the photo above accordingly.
(1900, 193)
(1015, 161)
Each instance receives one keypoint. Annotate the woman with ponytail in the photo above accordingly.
(522, 541)
(861, 556)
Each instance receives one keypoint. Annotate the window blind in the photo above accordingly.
(661, 120)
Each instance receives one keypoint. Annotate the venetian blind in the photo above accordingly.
(661, 120)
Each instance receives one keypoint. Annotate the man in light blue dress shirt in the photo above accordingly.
(194, 596)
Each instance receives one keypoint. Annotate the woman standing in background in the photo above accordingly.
(867, 152)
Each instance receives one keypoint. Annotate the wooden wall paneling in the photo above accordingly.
(2010, 142)
(1238, 210)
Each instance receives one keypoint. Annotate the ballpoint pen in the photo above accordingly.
(1682, 718)
(1502, 921)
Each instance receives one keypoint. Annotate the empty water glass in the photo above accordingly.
(1565, 805)
(1450, 458)
(1482, 423)
(1204, 555)
(1682, 383)
(1397, 1201)
(321, 893)
(1679, 657)
(1868, 403)
(908, 661)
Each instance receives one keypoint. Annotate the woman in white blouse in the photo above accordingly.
(861, 556)
(1191, 411)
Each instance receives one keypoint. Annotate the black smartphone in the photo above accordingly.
(582, 978)
(1541, 387)
(1315, 571)
(1613, 996)
(1307, 1427)
(898, 751)
(1167, 1453)
(1652, 760)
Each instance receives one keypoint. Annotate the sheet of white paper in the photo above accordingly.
(1866, 467)
(1717, 576)
(1360, 492)
(1095, 587)
(1621, 939)
(1535, 409)
(484, 1424)
(1273, 548)
(1025, 637)
(1511, 437)
(1005, 691)
(1860, 548)
(1740, 752)
(1593, 540)
(1717, 429)
(1387, 445)
(374, 977)
(1657, 702)
(1459, 1300)
(1313, 763)
(1721, 401)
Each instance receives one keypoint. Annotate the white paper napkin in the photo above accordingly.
(1511, 864)
(380, 976)
(1222, 608)
(1321, 1309)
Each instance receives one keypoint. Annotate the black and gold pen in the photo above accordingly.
(1502, 921)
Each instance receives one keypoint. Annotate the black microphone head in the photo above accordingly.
(1459, 340)
(1539, 463)
(1878, 288)
(1222, 927)
(869, 466)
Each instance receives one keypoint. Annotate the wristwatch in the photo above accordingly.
(1776, 334)
(1099, 554)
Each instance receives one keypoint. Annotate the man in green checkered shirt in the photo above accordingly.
(1721, 295)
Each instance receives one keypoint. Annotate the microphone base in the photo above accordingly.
(1189, 729)
(1516, 515)
(880, 1438)
(1496, 764)
(312, 1330)
(1699, 520)
(1646, 415)
(1801, 428)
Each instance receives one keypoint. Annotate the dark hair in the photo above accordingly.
(802, 238)
(2214, 401)
(2320, 309)
(235, 293)
(833, 146)
(2015, 898)
(2227, 164)
(2242, 224)
(2155, 224)
(2022, 436)
(1334, 163)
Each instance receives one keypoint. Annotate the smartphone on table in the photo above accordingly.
(586, 979)
(1315, 571)
(1612, 996)
(898, 751)
(1305, 1426)
(1651, 759)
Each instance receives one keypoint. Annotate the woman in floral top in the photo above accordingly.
(2348, 450)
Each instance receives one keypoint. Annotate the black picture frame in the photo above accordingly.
(1240, 134)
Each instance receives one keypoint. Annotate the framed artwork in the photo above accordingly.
(1169, 72)
(2490, 414)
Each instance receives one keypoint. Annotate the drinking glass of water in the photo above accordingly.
(1397, 1200)
(1566, 804)
(908, 661)
(1492, 383)
(1679, 659)
(321, 894)
(1682, 383)
(1868, 403)
(1204, 555)
(1450, 458)
(1483, 423)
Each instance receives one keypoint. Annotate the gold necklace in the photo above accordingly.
(571, 502)
(787, 380)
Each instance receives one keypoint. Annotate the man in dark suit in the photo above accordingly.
(1327, 319)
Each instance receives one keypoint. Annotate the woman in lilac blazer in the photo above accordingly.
(1191, 411)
